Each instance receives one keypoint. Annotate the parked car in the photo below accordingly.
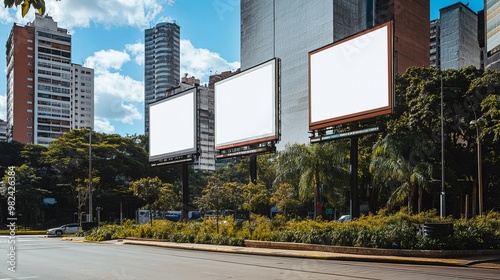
(344, 218)
(64, 229)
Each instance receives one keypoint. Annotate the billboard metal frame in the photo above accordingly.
(177, 156)
(253, 144)
(364, 114)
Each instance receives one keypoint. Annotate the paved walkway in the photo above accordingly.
(491, 262)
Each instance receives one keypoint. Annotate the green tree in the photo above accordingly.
(168, 199)
(401, 160)
(311, 166)
(28, 194)
(149, 190)
(39, 5)
(116, 160)
(253, 195)
(285, 197)
(10, 155)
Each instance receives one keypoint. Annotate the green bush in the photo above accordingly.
(384, 230)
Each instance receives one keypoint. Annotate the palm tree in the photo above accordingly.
(307, 166)
(401, 160)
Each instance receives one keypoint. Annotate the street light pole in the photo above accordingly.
(442, 200)
(90, 176)
(476, 123)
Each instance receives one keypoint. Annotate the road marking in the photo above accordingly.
(28, 277)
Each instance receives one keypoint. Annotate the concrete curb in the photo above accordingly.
(317, 254)
(312, 251)
(371, 251)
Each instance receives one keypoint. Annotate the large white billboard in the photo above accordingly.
(173, 127)
(246, 107)
(352, 79)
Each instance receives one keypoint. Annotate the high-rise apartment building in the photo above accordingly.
(206, 122)
(161, 64)
(458, 37)
(82, 91)
(41, 97)
(435, 46)
(3, 131)
(492, 33)
(290, 29)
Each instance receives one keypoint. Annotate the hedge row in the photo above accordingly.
(374, 231)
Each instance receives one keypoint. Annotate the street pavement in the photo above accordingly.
(489, 261)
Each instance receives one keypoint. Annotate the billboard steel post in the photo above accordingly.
(185, 191)
(354, 179)
(253, 168)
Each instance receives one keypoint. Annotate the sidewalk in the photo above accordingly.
(489, 261)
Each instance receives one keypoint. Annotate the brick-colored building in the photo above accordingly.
(47, 95)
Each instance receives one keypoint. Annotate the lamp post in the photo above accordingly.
(476, 123)
(443, 195)
(90, 176)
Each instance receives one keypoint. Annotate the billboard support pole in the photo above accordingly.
(354, 179)
(185, 191)
(253, 168)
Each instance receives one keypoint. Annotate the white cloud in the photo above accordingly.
(202, 63)
(110, 107)
(117, 96)
(103, 60)
(137, 13)
(5, 17)
(103, 125)
(120, 86)
(3, 107)
(137, 50)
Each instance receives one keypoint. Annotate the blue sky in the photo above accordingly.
(108, 35)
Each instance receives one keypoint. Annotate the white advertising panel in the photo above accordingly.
(246, 107)
(172, 126)
(351, 79)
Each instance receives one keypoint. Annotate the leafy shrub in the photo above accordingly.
(384, 230)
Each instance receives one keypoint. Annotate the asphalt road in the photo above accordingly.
(37, 257)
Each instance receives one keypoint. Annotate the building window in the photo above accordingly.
(29, 110)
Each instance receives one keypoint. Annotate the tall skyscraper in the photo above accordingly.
(492, 33)
(41, 97)
(290, 29)
(162, 63)
(458, 37)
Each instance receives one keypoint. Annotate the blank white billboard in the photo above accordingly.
(351, 79)
(246, 107)
(172, 126)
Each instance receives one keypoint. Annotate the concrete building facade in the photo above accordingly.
(3, 131)
(435, 47)
(206, 129)
(82, 89)
(161, 63)
(458, 37)
(40, 92)
(290, 29)
(492, 34)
